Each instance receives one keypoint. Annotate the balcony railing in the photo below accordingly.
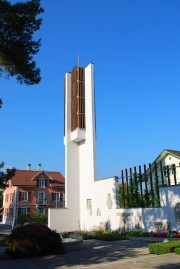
(42, 202)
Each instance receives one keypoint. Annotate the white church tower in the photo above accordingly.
(79, 139)
(88, 202)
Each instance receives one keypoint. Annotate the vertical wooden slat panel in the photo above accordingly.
(161, 171)
(146, 188)
(123, 198)
(168, 176)
(77, 98)
(175, 180)
(136, 187)
(151, 184)
(127, 186)
(131, 184)
(141, 192)
(156, 185)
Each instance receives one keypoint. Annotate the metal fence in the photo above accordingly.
(139, 187)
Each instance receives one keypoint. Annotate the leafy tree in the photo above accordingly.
(18, 23)
(5, 176)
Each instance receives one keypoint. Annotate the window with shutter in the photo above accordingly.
(19, 211)
(20, 196)
(29, 196)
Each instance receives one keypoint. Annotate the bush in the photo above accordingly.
(163, 247)
(138, 233)
(40, 218)
(163, 234)
(34, 240)
(97, 234)
(24, 218)
(109, 236)
(177, 251)
(4, 239)
(177, 235)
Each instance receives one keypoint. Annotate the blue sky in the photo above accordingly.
(135, 48)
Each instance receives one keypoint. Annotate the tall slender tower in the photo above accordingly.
(79, 140)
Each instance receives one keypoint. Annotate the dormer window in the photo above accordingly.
(41, 182)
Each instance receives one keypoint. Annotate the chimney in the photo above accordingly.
(39, 167)
(29, 166)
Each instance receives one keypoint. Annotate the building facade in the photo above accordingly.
(32, 192)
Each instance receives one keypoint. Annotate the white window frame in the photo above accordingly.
(57, 196)
(24, 196)
(43, 194)
(42, 210)
(24, 210)
(42, 183)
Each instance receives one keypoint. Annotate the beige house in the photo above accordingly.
(168, 168)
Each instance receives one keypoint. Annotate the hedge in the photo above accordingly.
(163, 247)
(177, 251)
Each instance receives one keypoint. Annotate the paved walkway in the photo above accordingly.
(124, 254)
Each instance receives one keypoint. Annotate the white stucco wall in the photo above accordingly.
(62, 220)
(170, 196)
(134, 218)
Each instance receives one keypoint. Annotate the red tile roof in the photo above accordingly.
(27, 178)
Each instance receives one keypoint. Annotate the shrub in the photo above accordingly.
(163, 234)
(177, 235)
(177, 251)
(40, 218)
(108, 236)
(138, 233)
(24, 218)
(34, 240)
(163, 247)
(97, 234)
(4, 239)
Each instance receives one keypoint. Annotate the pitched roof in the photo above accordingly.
(27, 178)
(175, 153)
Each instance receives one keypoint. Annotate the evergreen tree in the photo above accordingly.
(5, 176)
(18, 23)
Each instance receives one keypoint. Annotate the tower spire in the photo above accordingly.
(78, 60)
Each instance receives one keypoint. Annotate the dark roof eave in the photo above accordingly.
(16, 185)
(60, 186)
